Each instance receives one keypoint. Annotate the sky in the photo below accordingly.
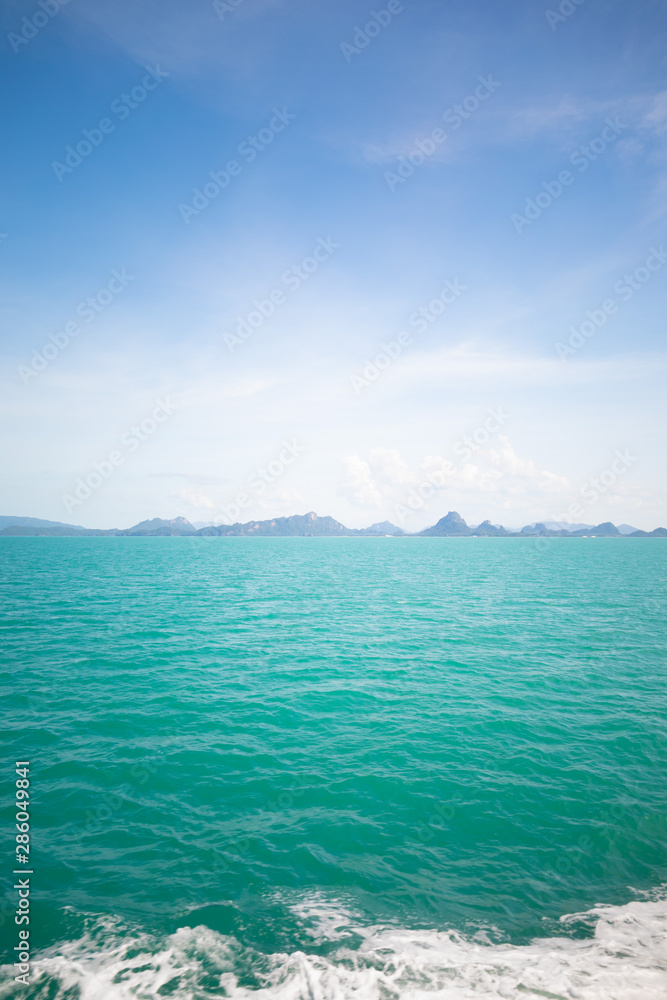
(263, 257)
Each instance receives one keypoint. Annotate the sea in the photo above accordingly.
(332, 768)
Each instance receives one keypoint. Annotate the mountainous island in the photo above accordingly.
(451, 525)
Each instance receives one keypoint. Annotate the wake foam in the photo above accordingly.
(626, 959)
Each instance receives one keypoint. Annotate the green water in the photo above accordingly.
(285, 742)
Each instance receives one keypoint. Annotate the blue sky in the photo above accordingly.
(581, 91)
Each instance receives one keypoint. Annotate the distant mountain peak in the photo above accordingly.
(162, 526)
(382, 528)
(35, 522)
(310, 524)
(297, 524)
(451, 524)
(606, 528)
(488, 529)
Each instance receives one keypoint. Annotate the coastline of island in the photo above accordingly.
(310, 525)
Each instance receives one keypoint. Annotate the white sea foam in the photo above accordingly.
(625, 960)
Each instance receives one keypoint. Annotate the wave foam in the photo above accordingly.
(626, 959)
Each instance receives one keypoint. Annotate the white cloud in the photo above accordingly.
(385, 479)
(286, 501)
(194, 498)
(462, 363)
(520, 474)
(549, 117)
(656, 118)
(357, 484)
(388, 466)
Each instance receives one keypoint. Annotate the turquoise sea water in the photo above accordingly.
(331, 768)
